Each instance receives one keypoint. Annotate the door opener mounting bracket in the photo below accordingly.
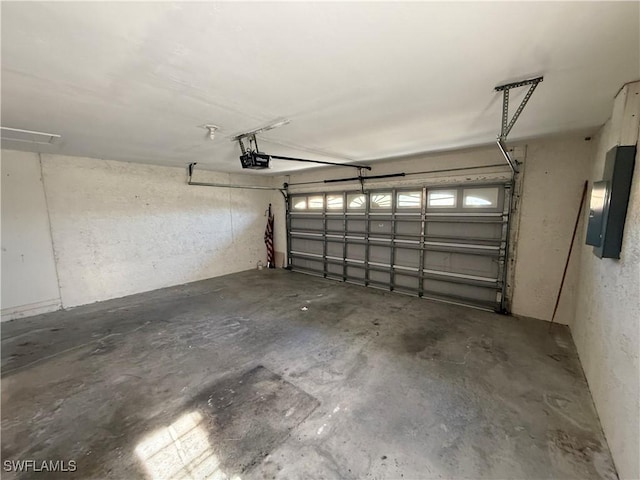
(507, 124)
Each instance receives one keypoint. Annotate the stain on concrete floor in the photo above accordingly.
(248, 415)
(381, 386)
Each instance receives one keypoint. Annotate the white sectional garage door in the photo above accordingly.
(446, 243)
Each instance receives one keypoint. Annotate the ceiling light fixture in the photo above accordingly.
(211, 130)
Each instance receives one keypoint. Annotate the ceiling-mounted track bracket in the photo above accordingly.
(269, 126)
(507, 124)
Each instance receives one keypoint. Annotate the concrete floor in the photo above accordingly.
(272, 374)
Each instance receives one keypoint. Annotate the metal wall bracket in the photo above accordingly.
(507, 124)
(192, 167)
(513, 163)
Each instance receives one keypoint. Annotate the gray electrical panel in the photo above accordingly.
(608, 205)
(599, 198)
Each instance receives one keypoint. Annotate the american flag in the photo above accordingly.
(268, 241)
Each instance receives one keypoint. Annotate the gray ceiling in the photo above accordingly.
(358, 81)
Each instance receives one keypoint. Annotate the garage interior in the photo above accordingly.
(327, 240)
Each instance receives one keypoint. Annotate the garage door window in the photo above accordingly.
(316, 203)
(335, 202)
(356, 201)
(441, 198)
(381, 201)
(409, 199)
(299, 203)
(480, 197)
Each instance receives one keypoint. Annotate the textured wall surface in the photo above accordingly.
(29, 283)
(606, 328)
(555, 172)
(120, 228)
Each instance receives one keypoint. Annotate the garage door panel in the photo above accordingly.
(454, 229)
(407, 228)
(407, 257)
(355, 252)
(306, 223)
(456, 290)
(380, 227)
(335, 270)
(307, 246)
(335, 225)
(406, 282)
(307, 264)
(476, 265)
(445, 243)
(379, 277)
(335, 249)
(356, 274)
(356, 226)
(378, 254)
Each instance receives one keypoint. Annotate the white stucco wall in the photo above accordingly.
(120, 228)
(29, 283)
(606, 328)
(554, 175)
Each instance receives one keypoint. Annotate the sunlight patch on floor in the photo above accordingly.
(181, 451)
